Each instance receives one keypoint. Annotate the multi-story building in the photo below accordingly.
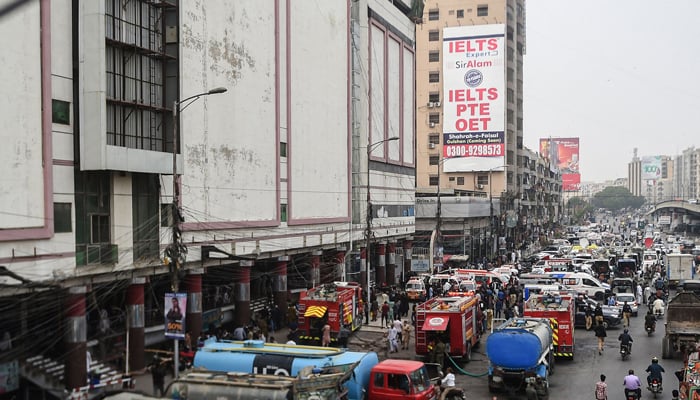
(687, 170)
(447, 108)
(278, 159)
(651, 177)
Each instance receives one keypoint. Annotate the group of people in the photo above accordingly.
(399, 335)
(631, 382)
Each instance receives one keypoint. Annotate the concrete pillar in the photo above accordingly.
(339, 270)
(408, 251)
(391, 264)
(242, 299)
(279, 284)
(315, 269)
(363, 268)
(76, 338)
(193, 319)
(381, 264)
(136, 316)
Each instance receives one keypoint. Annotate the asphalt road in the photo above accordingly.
(572, 380)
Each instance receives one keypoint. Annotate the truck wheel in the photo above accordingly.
(665, 348)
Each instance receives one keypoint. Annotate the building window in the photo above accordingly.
(460, 180)
(99, 228)
(434, 160)
(511, 116)
(511, 53)
(434, 56)
(511, 96)
(62, 218)
(434, 139)
(460, 13)
(519, 124)
(60, 112)
(482, 179)
(434, 180)
(283, 212)
(166, 215)
(434, 98)
(482, 10)
(434, 77)
(434, 36)
(283, 149)
(520, 104)
(511, 74)
(433, 15)
(434, 118)
(451, 179)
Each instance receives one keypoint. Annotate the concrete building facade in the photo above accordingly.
(275, 174)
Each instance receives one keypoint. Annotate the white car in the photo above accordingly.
(630, 298)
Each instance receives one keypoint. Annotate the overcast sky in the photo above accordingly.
(619, 74)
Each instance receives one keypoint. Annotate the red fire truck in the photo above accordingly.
(457, 321)
(335, 304)
(560, 308)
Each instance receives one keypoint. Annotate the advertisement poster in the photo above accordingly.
(651, 168)
(474, 100)
(563, 156)
(175, 310)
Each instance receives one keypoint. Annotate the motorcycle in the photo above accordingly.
(452, 393)
(631, 395)
(624, 351)
(655, 387)
(650, 328)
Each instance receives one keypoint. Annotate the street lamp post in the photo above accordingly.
(368, 228)
(176, 250)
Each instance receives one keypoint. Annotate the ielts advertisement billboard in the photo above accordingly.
(563, 156)
(474, 101)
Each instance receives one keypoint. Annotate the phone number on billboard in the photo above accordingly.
(474, 150)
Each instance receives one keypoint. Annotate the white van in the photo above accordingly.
(582, 283)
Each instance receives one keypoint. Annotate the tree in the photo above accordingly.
(578, 208)
(615, 198)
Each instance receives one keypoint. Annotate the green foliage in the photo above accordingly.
(578, 208)
(615, 198)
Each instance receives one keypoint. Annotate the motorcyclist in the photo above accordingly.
(626, 340)
(632, 384)
(650, 320)
(658, 306)
(655, 369)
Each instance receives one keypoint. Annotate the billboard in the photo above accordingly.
(651, 168)
(563, 156)
(474, 103)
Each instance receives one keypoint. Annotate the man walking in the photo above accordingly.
(601, 389)
(600, 334)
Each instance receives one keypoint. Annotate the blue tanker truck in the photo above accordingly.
(520, 357)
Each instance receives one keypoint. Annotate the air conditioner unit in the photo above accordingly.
(431, 104)
(437, 104)
(431, 145)
(432, 124)
(480, 186)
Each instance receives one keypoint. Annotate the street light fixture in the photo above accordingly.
(176, 251)
(368, 229)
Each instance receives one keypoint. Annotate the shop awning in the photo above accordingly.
(435, 324)
(315, 311)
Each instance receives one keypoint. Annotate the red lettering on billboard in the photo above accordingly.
(472, 45)
(478, 94)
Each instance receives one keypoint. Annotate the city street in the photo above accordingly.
(572, 380)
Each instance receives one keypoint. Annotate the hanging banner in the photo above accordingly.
(474, 100)
(175, 310)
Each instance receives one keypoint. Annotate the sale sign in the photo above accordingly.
(474, 100)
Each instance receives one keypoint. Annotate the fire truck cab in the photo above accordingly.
(457, 321)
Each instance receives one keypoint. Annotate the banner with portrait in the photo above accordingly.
(175, 313)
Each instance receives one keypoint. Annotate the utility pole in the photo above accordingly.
(176, 251)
